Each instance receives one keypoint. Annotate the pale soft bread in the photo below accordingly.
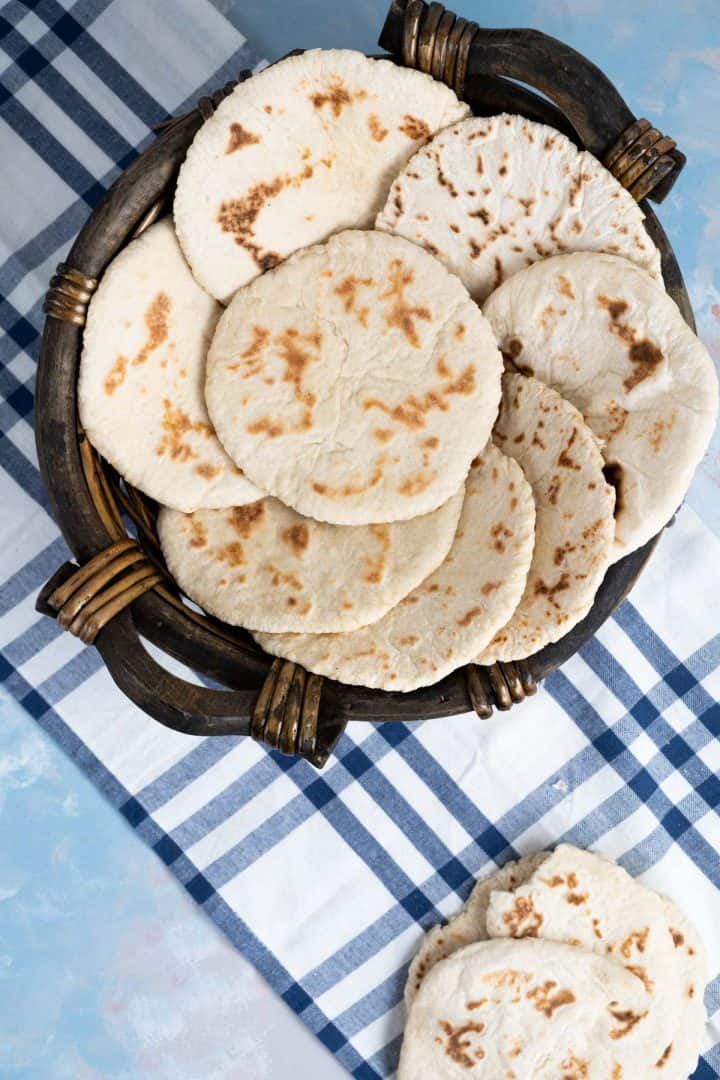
(142, 372)
(445, 621)
(306, 148)
(264, 566)
(601, 332)
(524, 1009)
(689, 1031)
(491, 195)
(469, 925)
(574, 525)
(587, 901)
(356, 381)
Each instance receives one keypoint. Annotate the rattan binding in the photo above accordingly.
(69, 295)
(123, 588)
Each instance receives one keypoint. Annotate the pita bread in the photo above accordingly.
(588, 901)
(142, 370)
(306, 148)
(600, 331)
(266, 567)
(525, 1009)
(574, 525)
(493, 194)
(445, 621)
(689, 1031)
(356, 381)
(469, 925)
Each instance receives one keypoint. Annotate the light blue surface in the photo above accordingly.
(98, 945)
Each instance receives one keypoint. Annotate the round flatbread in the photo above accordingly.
(524, 1009)
(356, 381)
(574, 525)
(469, 925)
(601, 332)
(588, 901)
(142, 371)
(491, 195)
(264, 566)
(445, 621)
(306, 148)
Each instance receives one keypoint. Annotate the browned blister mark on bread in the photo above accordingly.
(459, 1042)
(245, 519)
(564, 460)
(116, 375)
(550, 591)
(265, 426)
(349, 489)
(640, 973)
(400, 314)
(575, 1068)
(238, 136)
(626, 1018)
(522, 920)
(565, 286)
(208, 471)
(176, 425)
(414, 128)
(500, 533)
(297, 538)
(637, 939)
(335, 96)
(156, 321)
(442, 178)
(377, 131)
(644, 355)
(198, 533)
(252, 355)
(347, 291)
(412, 411)
(664, 1057)
(374, 566)
(298, 351)
(414, 485)
(239, 216)
(547, 999)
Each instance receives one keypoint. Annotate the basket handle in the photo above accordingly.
(451, 49)
(93, 602)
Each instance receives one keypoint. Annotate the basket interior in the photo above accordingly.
(124, 510)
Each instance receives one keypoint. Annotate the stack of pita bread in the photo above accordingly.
(559, 965)
(296, 368)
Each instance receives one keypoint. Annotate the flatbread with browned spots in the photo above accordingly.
(469, 925)
(601, 332)
(266, 567)
(306, 148)
(445, 621)
(356, 381)
(142, 374)
(689, 1031)
(588, 901)
(574, 525)
(491, 195)
(525, 1009)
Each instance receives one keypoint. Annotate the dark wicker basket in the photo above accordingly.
(123, 589)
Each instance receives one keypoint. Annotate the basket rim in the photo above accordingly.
(239, 667)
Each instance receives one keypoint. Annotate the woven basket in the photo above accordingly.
(121, 589)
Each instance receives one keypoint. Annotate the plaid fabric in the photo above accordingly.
(325, 881)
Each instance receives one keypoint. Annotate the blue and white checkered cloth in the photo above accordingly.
(325, 881)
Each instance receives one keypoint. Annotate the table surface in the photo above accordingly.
(107, 970)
